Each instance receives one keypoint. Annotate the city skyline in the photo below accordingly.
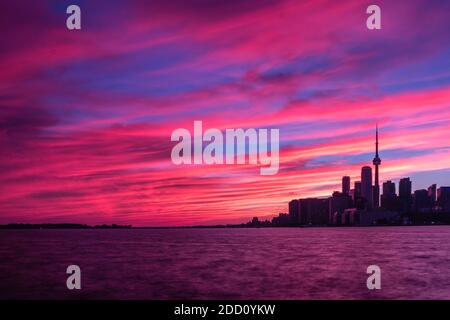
(86, 115)
(363, 205)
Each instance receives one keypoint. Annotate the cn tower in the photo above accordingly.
(376, 163)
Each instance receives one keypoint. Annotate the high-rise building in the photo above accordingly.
(314, 211)
(366, 186)
(358, 201)
(432, 193)
(404, 193)
(389, 188)
(357, 190)
(376, 163)
(421, 200)
(346, 185)
(389, 197)
(338, 203)
(294, 211)
(443, 198)
(352, 193)
(404, 188)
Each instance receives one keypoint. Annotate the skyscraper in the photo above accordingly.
(314, 211)
(376, 163)
(357, 190)
(404, 193)
(443, 198)
(366, 186)
(346, 185)
(338, 203)
(421, 200)
(404, 188)
(432, 193)
(389, 197)
(389, 188)
(294, 211)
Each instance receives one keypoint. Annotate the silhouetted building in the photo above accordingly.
(389, 200)
(294, 211)
(389, 188)
(376, 162)
(432, 192)
(404, 193)
(255, 221)
(281, 221)
(379, 217)
(366, 186)
(349, 217)
(337, 205)
(314, 211)
(346, 185)
(352, 193)
(421, 200)
(443, 198)
(357, 190)
(358, 201)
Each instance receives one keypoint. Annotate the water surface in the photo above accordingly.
(283, 263)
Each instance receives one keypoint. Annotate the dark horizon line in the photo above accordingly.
(70, 225)
(31, 226)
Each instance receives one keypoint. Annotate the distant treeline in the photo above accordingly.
(61, 226)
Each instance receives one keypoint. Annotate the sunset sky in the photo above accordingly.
(86, 116)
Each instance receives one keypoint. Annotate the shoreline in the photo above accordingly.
(105, 227)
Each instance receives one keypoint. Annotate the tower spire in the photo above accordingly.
(376, 162)
(376, 141)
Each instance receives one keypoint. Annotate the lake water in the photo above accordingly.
(285, 263)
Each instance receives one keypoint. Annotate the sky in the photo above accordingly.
(86, 116)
